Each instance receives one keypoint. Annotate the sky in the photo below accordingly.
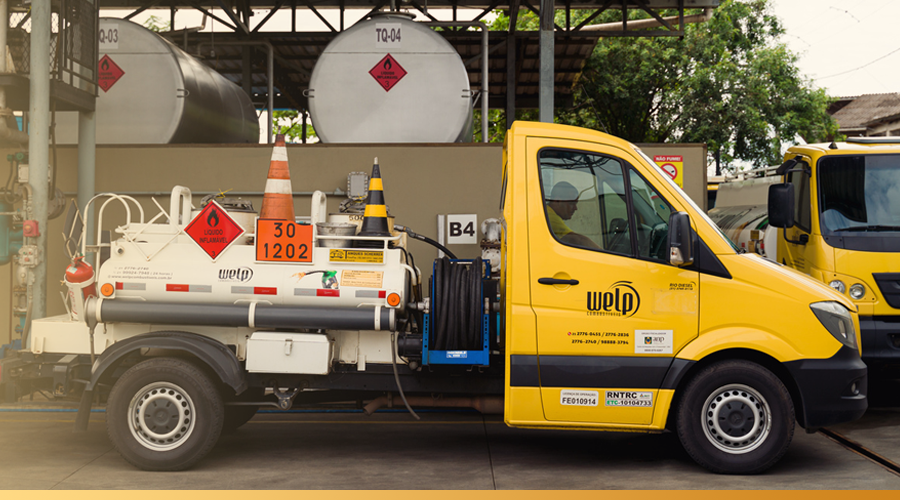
(848, 47)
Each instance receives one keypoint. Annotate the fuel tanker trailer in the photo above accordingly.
(185, 324)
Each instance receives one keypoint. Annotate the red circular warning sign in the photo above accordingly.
(387, 72)
(213, 229)
(109, 73)
(670, 169)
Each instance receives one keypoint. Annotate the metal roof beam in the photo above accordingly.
(142, 9)
(316, 12)
(593, 16)
(231, 15)
(269, 15)
(423, 11)
(646, 8)
(221, 21)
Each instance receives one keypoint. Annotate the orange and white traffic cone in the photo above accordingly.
(278, 200)
(375, 221)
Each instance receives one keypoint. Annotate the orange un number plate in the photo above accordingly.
(283, 241)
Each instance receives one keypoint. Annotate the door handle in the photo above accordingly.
(554, 281)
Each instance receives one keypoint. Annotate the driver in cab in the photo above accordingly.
(561, 206)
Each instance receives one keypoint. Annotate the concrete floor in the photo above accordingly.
(442, 451)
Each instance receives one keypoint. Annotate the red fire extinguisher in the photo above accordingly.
(80, 281)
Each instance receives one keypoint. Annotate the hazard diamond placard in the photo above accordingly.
(387, 72)
(213, 230)
(109, 73)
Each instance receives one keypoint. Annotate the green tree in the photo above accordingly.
(729, 83)
(290, 123)
(155, 23)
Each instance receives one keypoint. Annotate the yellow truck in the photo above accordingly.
(839, 220)
(613, 309)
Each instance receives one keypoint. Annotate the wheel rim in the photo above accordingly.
(736, 419)
(161, 416)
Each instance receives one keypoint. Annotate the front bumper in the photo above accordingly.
(880, 336)
(833, 390)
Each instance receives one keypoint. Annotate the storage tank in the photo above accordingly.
(152, 92)
(390, 79)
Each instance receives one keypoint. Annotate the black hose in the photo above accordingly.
(443, 303)
(426, 239)
(397, 376)
(457, 305)
(475, 306)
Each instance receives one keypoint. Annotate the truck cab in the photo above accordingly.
(621, 310)
(844, 230)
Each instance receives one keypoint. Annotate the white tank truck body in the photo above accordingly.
(741, 212)
(159, 278)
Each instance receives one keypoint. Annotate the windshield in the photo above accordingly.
(687, 199)
(860, 193)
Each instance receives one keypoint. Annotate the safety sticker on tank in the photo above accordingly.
(578, 398)
(362, 279)
(365, 256)
(629, 398)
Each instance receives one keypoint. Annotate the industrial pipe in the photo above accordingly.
(649, 22)
(252, 315)
(488, 405)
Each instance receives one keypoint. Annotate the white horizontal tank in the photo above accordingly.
(390, 79)
(152, 92)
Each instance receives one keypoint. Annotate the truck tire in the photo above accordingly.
(164, 414)
(736, 417)
(236, 416)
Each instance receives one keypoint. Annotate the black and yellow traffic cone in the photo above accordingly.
(278, 199)
(375, 221)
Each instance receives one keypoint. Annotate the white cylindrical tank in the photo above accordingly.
(390, 79)
(152, 92)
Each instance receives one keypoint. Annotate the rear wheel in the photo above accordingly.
(736, 417)
(164, 414)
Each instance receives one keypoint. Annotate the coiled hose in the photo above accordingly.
(457, 307)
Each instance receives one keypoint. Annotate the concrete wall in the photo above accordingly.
(420, 181)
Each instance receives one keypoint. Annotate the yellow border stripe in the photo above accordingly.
(375, 184)
(375, 211)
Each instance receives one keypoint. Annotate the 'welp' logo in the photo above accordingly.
(213, 219)
(241, 274)
(621, 299)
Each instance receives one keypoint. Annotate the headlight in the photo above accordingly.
(857, 291)
(838, 285)
(837, 320)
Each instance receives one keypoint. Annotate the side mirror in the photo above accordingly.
(680, 240)
(781, 205)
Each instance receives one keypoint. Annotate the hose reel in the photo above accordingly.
(457, 305)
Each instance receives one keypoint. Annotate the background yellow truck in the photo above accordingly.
(839, 211)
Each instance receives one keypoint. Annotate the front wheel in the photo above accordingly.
(736, 417)
(164, 414)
